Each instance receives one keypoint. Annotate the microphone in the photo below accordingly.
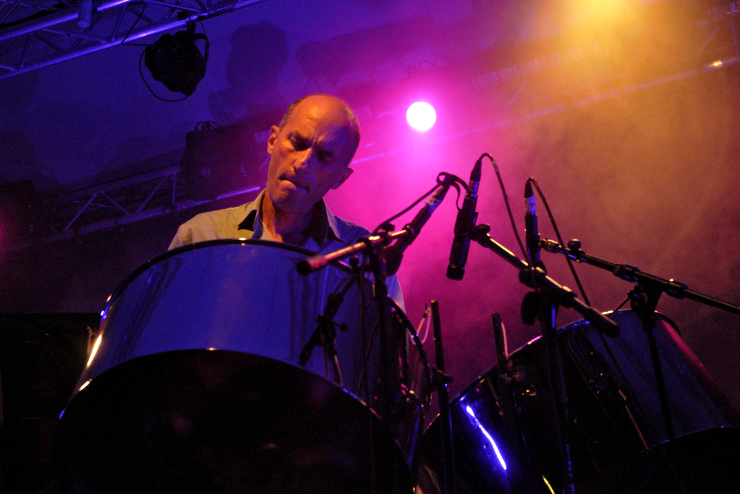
(394, 253)
(530, 226)
(464, 223)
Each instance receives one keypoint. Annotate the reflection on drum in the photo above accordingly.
(618, 442)
(195, 385)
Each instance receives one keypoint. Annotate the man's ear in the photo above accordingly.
(343, 175)
(271, 140)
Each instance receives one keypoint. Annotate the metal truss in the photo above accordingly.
(39, 33)
(114, 204)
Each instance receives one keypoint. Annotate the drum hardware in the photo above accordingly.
(644, 298)
(390, 343)
(546, 307)
(611, 401)
(440, 380)
(542, 306)
(326, 333)
(391, 398)
(506, 377)
(382, 260)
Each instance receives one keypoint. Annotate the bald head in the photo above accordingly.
(334, 102)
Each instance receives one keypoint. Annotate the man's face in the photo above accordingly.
(309, 155)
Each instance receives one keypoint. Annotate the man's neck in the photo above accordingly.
(281, 225)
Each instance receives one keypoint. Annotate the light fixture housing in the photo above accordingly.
(175, 60)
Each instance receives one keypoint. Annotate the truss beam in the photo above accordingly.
(34, 35)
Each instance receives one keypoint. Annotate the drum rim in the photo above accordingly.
(200, 245)
(483, 375)
(397, 311)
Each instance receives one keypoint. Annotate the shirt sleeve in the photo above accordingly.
(184, 236)
(394, 291)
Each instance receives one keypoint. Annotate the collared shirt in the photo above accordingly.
(324, 234)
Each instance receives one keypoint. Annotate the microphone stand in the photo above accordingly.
(325, 335)
(549, 297)
(564, 296)
(440, 382)
(644, 299)
(390, 396)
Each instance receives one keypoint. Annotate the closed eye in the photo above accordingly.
(325, 156)
(298, 143)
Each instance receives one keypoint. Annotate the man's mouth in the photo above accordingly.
(297, 184)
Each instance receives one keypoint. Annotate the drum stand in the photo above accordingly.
(544, 303)
(548, 296)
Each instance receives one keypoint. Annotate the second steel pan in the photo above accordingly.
(617, 438)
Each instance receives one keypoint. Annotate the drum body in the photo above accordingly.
(615, 432)
(194, 384)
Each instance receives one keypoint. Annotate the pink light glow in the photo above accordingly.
(421, 116)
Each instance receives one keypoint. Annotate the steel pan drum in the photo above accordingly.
(618, 441)
(194, 384)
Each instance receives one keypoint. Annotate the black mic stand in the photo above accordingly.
(389, 372)
(325, 335)
(549, 296)
(505, 367)
(440, 382)
(644, 299)
(390, 398)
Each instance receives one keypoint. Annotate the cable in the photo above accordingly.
(138, 18)
(424, 319)
(560, 239)
(508, 205)
(443, 179)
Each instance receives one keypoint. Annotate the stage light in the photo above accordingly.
(176, 62)
(421, 116)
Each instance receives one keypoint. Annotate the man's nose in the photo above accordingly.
(306, 160)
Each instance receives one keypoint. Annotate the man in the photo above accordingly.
(310, 152)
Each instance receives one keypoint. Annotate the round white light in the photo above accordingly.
(421, 116)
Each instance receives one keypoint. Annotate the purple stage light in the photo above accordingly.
(421, 116)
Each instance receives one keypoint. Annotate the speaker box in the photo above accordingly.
(225, 160)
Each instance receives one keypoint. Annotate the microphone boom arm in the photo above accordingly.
(563, 295)
(372, 242)
(632, 274)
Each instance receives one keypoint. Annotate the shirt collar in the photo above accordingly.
(323, 223)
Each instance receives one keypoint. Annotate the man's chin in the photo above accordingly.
(292, 205)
